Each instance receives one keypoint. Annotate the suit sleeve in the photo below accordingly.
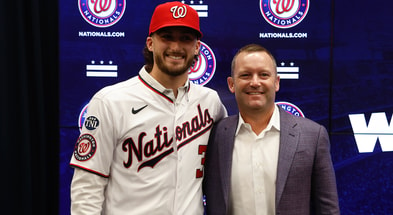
(324, 189)
(210, 162)
(216, 197)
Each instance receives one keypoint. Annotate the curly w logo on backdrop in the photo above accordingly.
(284, 13)
(102, 13)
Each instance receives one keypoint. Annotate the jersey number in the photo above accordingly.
(201, 150)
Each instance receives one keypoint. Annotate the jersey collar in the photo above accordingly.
(154, 85)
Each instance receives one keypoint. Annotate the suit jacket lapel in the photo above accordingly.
(226, 144)
(289, 138)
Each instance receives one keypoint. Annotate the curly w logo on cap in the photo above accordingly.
(179, 12)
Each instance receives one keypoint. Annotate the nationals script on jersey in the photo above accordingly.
(149, 145)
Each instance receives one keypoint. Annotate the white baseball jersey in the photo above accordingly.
(150, 145)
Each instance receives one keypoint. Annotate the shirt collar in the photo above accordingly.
(273, 123)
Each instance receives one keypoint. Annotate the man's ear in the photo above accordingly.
(231, 86)
(149, 43)
(277, 83)
(198, 47)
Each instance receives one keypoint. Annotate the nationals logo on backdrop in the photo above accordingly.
(82, 117)
(102, 13)
(290, 108)
(203, 70)
(284, 13)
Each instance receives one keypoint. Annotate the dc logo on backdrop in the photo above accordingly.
(284, 13)
(202, 9)
(203, 70)
(102, 13)
(291, 108)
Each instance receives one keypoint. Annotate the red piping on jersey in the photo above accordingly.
(89, 170)
(155, 90)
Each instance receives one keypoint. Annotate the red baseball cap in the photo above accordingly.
(172, 14)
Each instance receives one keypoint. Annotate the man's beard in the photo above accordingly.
(173, 71)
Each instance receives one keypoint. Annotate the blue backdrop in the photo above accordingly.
(335, 59)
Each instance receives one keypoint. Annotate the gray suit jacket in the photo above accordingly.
(305, 183)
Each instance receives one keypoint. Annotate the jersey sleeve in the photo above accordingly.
(87, 193)
(221, 110)
(94, 148)
(214, 101)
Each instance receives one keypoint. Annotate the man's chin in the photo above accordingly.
(176, 72)
(257, 105)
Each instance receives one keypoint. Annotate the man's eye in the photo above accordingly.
(187, 38)
(166, 36)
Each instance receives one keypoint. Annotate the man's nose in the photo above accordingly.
(255, 80)
(175, 45)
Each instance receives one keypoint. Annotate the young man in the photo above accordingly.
(142, 147)
(265, 160)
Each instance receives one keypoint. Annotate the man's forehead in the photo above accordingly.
(254, 59)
